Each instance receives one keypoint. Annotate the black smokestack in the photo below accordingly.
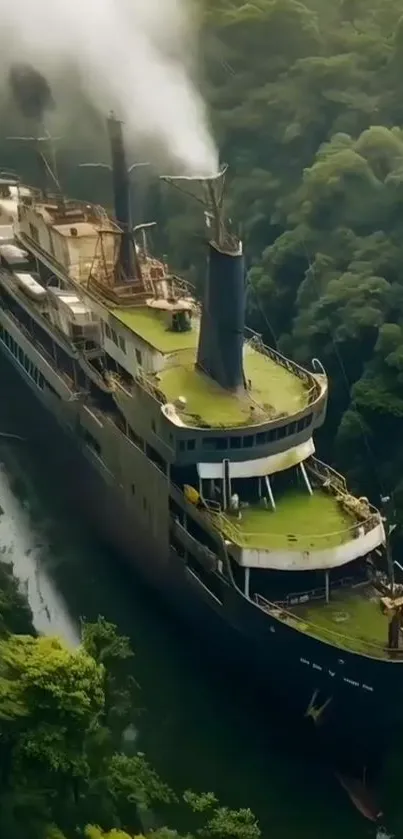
(121, 191)
(31, 92)
(220, 351)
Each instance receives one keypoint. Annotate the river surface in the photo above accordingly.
(195, 727)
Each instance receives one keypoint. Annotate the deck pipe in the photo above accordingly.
(220, 350)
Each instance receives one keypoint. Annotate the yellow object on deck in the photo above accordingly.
(191, 494)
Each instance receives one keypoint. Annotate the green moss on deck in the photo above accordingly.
(273, 386)
(300, 523)
(274, 392)
(151, 326)
(353, 619)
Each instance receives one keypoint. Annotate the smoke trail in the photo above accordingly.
(31, 91)
(131, 56)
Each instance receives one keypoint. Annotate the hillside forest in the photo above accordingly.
(307, 105)
(65, 767)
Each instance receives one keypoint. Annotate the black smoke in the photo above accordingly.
(30, 91)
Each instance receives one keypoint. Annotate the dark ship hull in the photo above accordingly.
(349, 702)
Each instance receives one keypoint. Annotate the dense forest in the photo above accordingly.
(307, 105)
(64, 768)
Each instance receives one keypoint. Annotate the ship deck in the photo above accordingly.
(274, 392)
(152, 329)
(352, 619)
(300, 522)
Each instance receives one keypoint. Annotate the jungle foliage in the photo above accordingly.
(307, 104)
(64, 769)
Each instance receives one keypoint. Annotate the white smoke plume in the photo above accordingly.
(131, 56)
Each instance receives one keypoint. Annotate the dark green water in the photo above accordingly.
(196, 728)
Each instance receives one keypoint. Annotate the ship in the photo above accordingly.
(190, 445)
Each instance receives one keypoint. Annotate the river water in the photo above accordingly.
(195, 727)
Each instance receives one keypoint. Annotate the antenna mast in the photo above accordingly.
(47, 171)
(209, 192)
(221, 338)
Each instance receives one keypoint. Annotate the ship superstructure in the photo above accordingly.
(203, 435)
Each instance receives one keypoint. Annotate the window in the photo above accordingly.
(138, 357)
(91, 442)
(156, 458)
(175, 544)
(33, 232)
(133, 489)
(108, 331)
(190, 445)
(215, 442)
(135, 438)
(235, 442)
(248, 441)
(114, 337)
(304, 422)
(122, 344)
(210, 580)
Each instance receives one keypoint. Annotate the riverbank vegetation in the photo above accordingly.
(64, 768)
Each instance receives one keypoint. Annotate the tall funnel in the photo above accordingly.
(121, 192)
(222, 326)
(220, 350)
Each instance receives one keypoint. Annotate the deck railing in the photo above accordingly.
(62, 374)
(297, 598)
(330, 636)
(327, 474)
(258, 540)
(255, 341)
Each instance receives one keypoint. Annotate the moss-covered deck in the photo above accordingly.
(152, 327)
(352, 619)
(273, 392)
(300, 522)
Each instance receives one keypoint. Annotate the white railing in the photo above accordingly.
(256, 342)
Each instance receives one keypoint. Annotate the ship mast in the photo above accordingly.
(221, 339)
(47, 172)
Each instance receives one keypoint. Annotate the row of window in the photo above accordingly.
(120, 342)
(249, 440)
(151, 453)
(91, 442)
(22, 358)
(210, 580)
(113, 336)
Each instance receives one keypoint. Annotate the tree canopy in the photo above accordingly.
(63, 713)
(306, 103)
